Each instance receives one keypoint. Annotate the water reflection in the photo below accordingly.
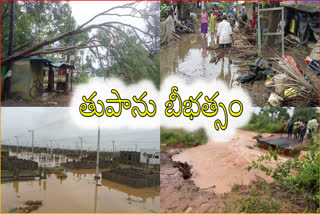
(79, 192)
(190, 58)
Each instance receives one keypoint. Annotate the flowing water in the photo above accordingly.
(189, 58)
(224, 164)
(77, 193)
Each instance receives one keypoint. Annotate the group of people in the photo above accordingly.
(224, 31)
(299, 128)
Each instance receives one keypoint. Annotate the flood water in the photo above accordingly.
(190, 59)
(78, 193)
(225, 164)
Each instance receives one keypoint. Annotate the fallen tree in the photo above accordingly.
(31, 49)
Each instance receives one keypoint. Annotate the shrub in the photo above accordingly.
(174, 137)
(294, 175)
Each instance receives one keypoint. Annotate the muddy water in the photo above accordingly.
(79, 193)
(224, 164)
(190, 59)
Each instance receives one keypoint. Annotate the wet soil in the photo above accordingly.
(219, 176)
(182, 195)
(224, 164)
(47, 99)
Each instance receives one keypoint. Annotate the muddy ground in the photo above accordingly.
(180, 195)
(48, 99)
(192, 56)
(220, 181)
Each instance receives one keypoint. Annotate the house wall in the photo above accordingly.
(20, 79)
(24, 75)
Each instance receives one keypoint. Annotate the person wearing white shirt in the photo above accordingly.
(224, 36)
(313, 125)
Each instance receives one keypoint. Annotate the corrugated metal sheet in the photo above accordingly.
(310, 7)
(37, 59)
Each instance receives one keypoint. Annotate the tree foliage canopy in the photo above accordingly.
(47, 28)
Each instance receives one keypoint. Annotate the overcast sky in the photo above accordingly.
(55, 123)
(83, 11)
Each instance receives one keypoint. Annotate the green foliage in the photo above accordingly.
(164, 10)
(294, 175)
(255, 203)
(268, 120)
(130, 60)
(305, 113)
(264, 3)
(189, 139)
(84, 79)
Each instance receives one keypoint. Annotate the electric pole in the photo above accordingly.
(32, 131)
(113, 149)
(98, 148)
(17, 144)
(81, 141)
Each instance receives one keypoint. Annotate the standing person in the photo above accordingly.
(313, 124)
(282, 127)
(243, 10)
(212, 24)
(229, 10)
(254, 18)
(303, 130)
(224, 36)
(290, 128)
(204, 25)
(312, 127)
(296, 128)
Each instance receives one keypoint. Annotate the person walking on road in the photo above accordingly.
(224, 36)
(303, 130)
(204, 24)
(290, 128)
(282, 127)
(212, 24)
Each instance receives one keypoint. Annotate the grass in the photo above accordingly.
(264, 127)
(182, 138)
(261, 197)
(84, 79)
(58, 171)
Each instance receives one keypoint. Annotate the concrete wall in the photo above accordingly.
(13, 164)
(126, 157)
(132, 177)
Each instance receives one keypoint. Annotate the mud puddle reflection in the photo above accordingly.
(190, 59)
(79, 193)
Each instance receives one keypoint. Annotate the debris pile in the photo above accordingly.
(298, 89)
(184, 168)
(248, 33)
(171, 30)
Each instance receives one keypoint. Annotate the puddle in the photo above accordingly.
(77, 193)
(224, 164)
(190, 59)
